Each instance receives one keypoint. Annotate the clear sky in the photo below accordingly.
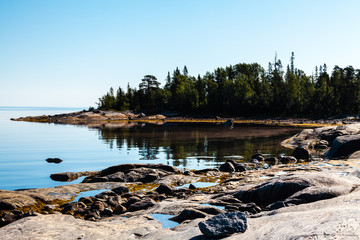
(69, 53)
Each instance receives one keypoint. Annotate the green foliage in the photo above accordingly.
(245, 89)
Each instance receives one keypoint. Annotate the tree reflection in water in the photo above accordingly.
(200, 142)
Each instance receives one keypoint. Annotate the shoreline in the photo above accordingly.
(102, 117)
(130, 195)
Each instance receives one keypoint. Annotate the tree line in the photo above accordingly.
(245, 90)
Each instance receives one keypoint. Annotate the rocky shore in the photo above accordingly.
(312, 194)
(98, 118)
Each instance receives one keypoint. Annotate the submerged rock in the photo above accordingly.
(224, 224)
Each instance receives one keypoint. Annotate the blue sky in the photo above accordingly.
(70, 52)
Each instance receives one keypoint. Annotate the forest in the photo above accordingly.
(245, 90)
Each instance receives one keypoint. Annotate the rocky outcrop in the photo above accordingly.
(145, 173)
(343, 146)
(297, 189)
(93, 118)
(318, 140)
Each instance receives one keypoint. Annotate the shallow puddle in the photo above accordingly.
(164, 220)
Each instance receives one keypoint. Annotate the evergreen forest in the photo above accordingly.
(245, 90)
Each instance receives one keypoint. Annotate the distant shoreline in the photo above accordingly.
(102, 117)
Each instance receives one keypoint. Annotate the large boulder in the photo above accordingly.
(224, 224)
(343, 146)
(301, 152)
(297, 189)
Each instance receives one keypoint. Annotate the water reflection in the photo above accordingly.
(203, 142)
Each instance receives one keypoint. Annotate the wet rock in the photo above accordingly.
(150, 178)
(6, 218)
(287, 159)
(258, 157)
(65, 176)
(73, 207)
(322, 144)
(301, 152)
(238, 166)
(229, 123)
(188, 214)
(272, 160)
(142, 204)
(116, 177)
(163, 188)
(204, 171)
(117, 168)
(224, 224)
(227, 167)
(106, 212)
(114, 201)
(98, 205)
(192, 187)
(120, 190)
(86, 200)
(92, 216)
(343, 146)
(166, 168)
(106, 194)
(119, 209)
(144, 175)
(131, 201)
(53, 160)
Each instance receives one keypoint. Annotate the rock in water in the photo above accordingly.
(224, 224)
(53, 160)
(301, 153)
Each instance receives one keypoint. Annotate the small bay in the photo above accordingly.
(25, 146)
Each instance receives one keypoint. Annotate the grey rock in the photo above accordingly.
(65, 176)
(188, 214)
(120, 190)
(224, 224)
(163, 188)
(343, 146)
(116, 177)
(287, 159)
(297, 189)
(117, 168)
(227, 167)
(142, 204)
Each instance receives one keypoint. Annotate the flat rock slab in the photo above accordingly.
(58, 226)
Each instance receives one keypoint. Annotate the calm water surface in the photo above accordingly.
(24, 146)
